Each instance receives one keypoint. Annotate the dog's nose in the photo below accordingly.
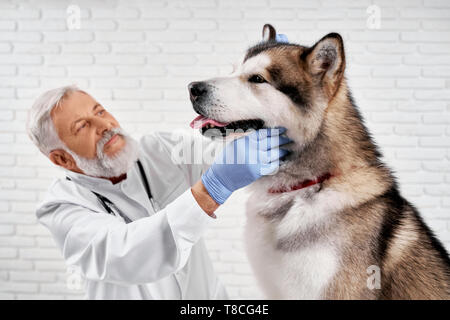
(197, 89)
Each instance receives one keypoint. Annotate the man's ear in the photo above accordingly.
(268, 33)
(326, 61)
(63, 159)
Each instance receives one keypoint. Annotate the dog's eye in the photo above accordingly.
(256, 78)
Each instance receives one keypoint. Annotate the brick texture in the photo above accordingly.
(137, 58)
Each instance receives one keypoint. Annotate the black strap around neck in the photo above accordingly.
(144, 179)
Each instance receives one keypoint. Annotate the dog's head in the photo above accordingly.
(276, 84)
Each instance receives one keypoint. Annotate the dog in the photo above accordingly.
(331, 223)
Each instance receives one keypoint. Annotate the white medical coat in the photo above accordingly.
(159, 255)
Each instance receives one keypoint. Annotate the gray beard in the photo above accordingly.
(105, 166)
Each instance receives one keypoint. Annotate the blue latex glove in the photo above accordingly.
(281, 38)
(243, 161)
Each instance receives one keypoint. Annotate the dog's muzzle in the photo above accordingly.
(198, 92)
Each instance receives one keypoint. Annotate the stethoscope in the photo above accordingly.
(107, 204)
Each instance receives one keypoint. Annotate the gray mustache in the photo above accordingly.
(106, 137)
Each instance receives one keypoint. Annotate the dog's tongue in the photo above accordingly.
(202, 121)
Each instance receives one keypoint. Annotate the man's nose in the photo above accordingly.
(197, 89)
(103, 126)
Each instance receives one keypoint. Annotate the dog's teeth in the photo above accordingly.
(212, 126)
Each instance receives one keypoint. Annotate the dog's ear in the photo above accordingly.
(268, 33)
(326, 61)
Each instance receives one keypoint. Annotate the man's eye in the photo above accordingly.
(101, 112)
(81, 127)
(256, 79)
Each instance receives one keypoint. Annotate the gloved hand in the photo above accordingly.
(243, 161)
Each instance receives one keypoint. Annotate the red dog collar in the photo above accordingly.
(303, 184)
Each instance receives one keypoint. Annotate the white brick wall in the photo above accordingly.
(137, 57)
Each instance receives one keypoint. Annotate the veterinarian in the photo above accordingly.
(126, 217)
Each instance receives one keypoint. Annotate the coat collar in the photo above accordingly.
(93, 182)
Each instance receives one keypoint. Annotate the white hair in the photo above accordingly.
(40, 127)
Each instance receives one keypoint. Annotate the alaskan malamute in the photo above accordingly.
(331, 224)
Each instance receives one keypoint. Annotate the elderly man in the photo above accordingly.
(127, 217)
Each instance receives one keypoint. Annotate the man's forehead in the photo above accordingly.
(74, 106)
(75, 102)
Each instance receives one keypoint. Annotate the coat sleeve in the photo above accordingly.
(104, 248)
